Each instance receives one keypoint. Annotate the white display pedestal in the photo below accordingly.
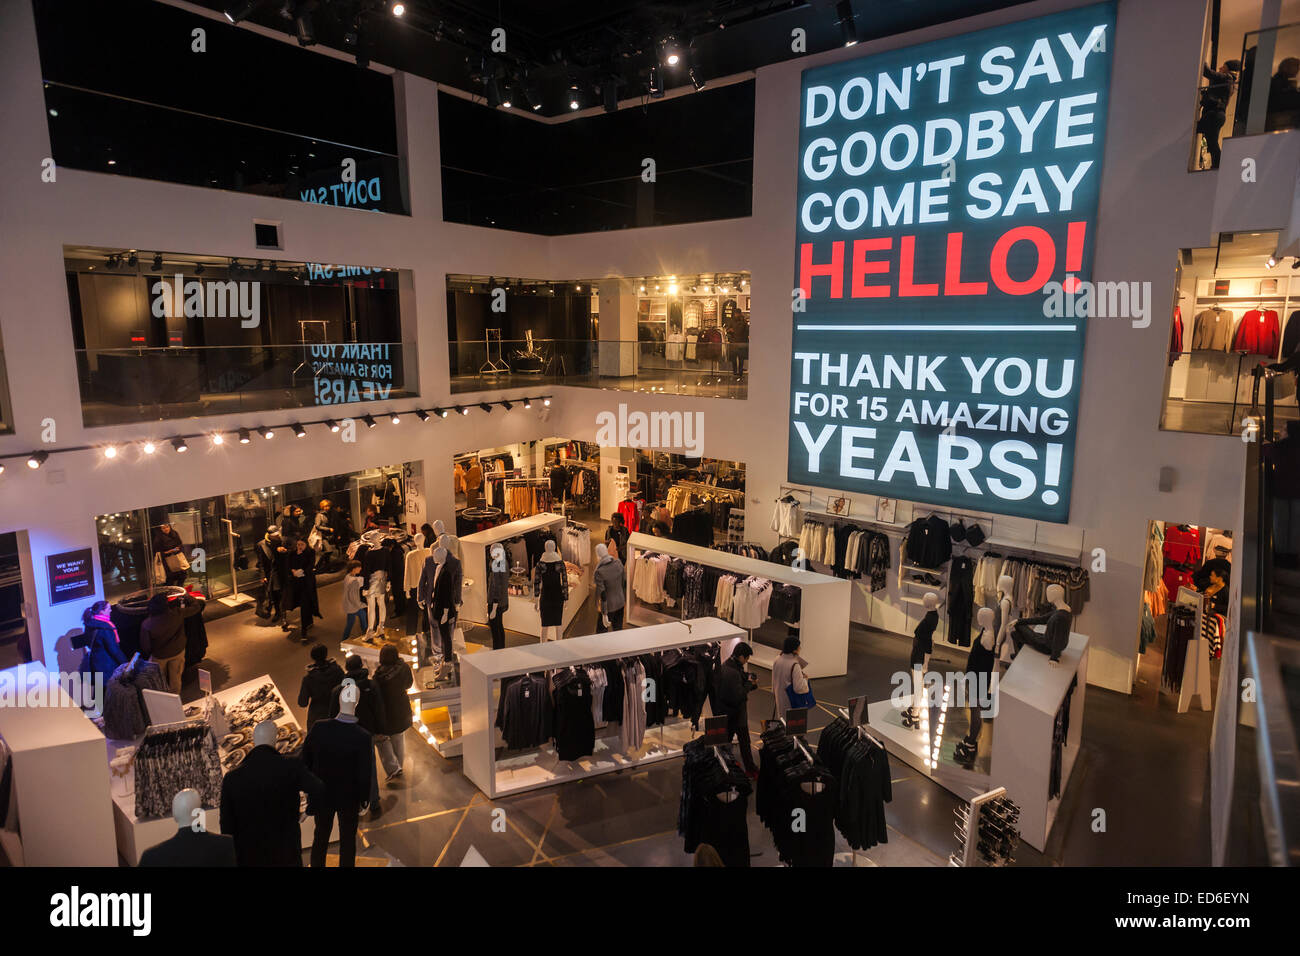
(1196, 665)
(521, 616)
(60, 780)
(823, 608)
(134, 836)
(1029, 696)
(542, 768)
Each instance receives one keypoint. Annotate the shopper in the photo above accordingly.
(323, 527)
(260, 802)
(370, 705)
(473, 483)
(162, 635)
(372, 518)
(617, 536)
(610, 597)
(168, 546)
(341, 753)
(734, 685)
(99, 638)
(353, 604)
(393, 678)
(302, 588)
(1283, 97)
(273, 563)
(290, 526)
(790, 689)
(1214, 106)
(317, 690)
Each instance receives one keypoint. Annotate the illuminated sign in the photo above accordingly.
(947, 203)
(71, 574)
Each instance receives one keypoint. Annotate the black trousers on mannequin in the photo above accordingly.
(615, 621)
(498, 628)
(320, 842)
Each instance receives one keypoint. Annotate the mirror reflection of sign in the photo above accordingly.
(942, 190)
(352, 373)
(71, 574)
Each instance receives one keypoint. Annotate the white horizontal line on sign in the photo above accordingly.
(938, 328)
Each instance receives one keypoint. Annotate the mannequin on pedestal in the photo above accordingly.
(550, 591)
(498, 595)
(1056, 627)
(979, 671)
(922, 647)
(1002, 626)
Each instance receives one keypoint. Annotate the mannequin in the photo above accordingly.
(342, 754)
(550, 591)
(979, 673)
(922, 647)
(498, 595)
(439, 594)
(377, 602)
(1056, 631)
(1002, 626)
(448, 541)
(610, 595)
(192, 845)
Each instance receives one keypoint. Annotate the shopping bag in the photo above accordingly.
(159, 573)
(176, 561)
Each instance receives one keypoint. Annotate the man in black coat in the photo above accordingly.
(734, 685)
(273, 564)
(192, 845)
(318, 684)
(342, 754)
(260, 803)
(370, 712)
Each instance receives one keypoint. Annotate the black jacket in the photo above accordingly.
(342, 754)
(393, 680)
(273, 564)
(188, 848)
(167, 542)
(733, 692)
(162, 635)
(371, 713)
(619, 536)
(260, 807)
(103, 651)
(301, 591)
(445, 594)
(929, 543)
(317, 689)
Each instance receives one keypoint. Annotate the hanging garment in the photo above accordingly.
(632, 729)
(793, 784)
(524, 713)
(1213, 330)
(575, 728)
(787, 518)
(714, 803)
(961, 600)
(862, 769)
(1176, 336)
(1258, 333)
(1060, 733)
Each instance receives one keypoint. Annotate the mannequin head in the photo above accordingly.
(440, 555)
(264, 734)
(931, 600)
(602, 552)
(183, 806)
(1005, 584)
(1056, 597)
(348, 696)
(985, 616)
(439, 528)
(499, 558)
(444, 541)
(550, 553)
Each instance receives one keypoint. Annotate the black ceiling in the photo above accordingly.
(555, 46)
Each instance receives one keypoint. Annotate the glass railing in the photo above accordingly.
(697, 194)
(112, 134)
(1268, 97)
(710, 370)
(150, 384)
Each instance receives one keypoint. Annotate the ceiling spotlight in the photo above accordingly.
(243, 436)
(1270, 262)
(370, 421)
(36, 459)
(462, 409)
(217, 439)
(149, 448)
(507, 405)
(395, 418)
(199, 269)
(332, 425)
(528, 403)
(157, 261)
(133, 260)
(399, 9)
(110, 451)
(421, 414)
(696, 79)
(440, 412)
(240, 11)
(180, 445)
(298, 430)
(486, 407)
(847, 21)
(573, 102)
(266, 433)
(546, 402)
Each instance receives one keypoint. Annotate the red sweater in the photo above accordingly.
(1258, 333)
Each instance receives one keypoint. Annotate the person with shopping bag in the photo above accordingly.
(170, 550)
(790, 687)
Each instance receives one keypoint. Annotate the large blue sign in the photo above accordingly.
(946, 222)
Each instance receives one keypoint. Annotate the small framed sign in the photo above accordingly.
(71, 574)
(841, 506)
(796, 721)
(716, 733)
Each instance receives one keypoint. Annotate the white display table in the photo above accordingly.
(824, 604)
(60, 780)
(541, 767)
(522, 615)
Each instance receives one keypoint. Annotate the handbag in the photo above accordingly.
(176, 561)
(800, 701)
(159, 573)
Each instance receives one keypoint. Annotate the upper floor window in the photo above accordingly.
(176, 335)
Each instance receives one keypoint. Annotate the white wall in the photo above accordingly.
(1150, 206)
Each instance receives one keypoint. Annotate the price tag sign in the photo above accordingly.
(796, 721)
(205, 681)
(858, 711)
(715, 731)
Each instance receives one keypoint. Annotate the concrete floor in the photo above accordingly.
(1143, 764)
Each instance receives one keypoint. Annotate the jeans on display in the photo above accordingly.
(392, 751)
(357, 617)
(497, 626)
(615, 621)
(172, 668)
(377, 601)
(348, 819)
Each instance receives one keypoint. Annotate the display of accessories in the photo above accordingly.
(986, 830)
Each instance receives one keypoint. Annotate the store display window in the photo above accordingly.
(1234, 315)
(553, 475)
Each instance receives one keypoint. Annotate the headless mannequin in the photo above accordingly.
(979, 670)
(498, 583)
(1002, 641)
(1056, 627)
(922, 647)
(549, 556)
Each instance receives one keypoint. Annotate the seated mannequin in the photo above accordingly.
(1057, 627)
